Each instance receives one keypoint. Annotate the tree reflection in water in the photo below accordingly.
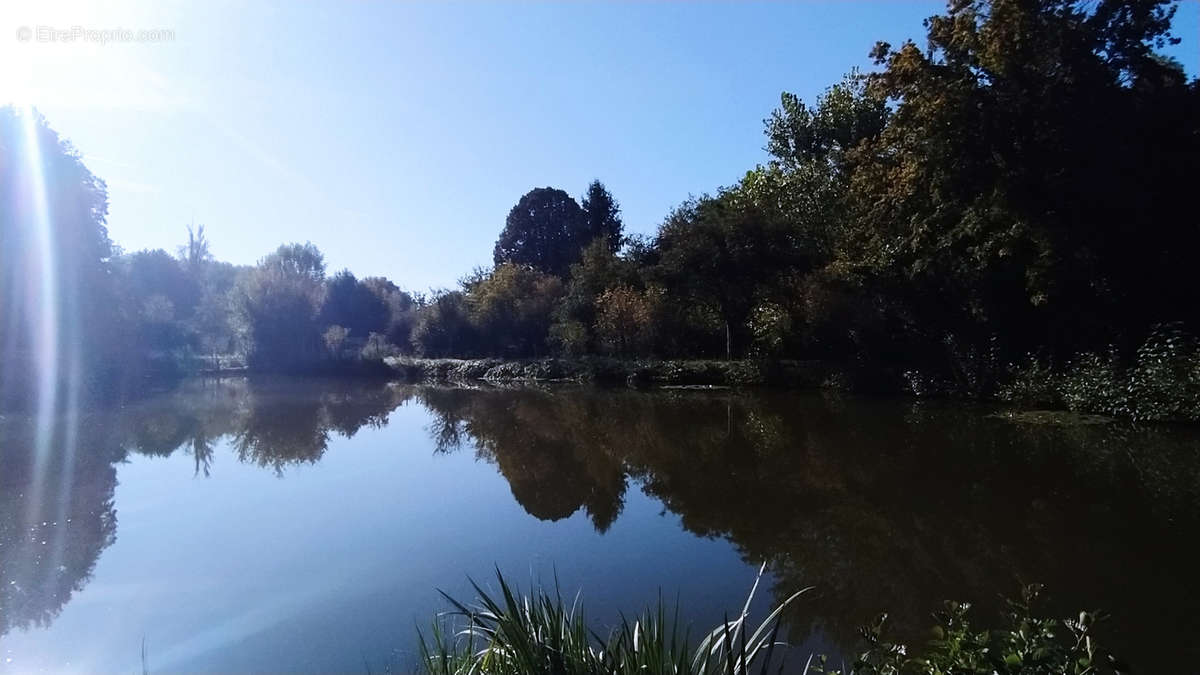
(882, 505)
(51, 538)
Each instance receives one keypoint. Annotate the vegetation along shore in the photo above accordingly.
(961, 219)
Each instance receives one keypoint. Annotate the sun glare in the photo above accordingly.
(41, 296)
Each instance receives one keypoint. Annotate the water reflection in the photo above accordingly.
(50, 538)
(879, 504)
(533, 441)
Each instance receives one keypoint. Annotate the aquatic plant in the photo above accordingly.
(541, 634)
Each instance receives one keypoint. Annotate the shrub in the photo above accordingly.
(770, 326)
(1032, 383)
(442, 327)
(335, 336)
(1165, 382)
(625, 320)
(1095, 383)
(377, 348)
(1162, 383)
(1028, 645)
(570, 336)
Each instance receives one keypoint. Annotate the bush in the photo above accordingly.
(625, 320)
(1032, 383)
(442, 327)
(1028, 645)
(1165, 383)
(335, 337)
(1162, 383)
(377, 348)
(770, 326)
(570, 337)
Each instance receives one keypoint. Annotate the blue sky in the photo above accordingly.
(397, 135)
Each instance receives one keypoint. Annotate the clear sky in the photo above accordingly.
(397, 135)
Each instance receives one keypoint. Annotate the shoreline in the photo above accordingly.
(640, 372)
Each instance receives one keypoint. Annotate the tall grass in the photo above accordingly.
(541, 634)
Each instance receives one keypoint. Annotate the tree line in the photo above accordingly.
(1016, 191)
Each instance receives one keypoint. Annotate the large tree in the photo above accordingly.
(401, 310)
(723, 253)
(55, 283)
(1033, 178)
(195, 253)
(279, 301)
(602, 218)
(353, 305)
(543, 231)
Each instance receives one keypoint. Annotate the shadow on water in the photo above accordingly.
(882, 505)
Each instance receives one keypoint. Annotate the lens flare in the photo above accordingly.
(42, 302)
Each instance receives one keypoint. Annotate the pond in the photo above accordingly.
(306, 525)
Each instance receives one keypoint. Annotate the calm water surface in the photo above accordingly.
(300, 525)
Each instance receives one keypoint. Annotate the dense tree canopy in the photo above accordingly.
(353, 304)
(279, 302)
(1030, 176)
(1017, 188)
(55, 289)
(541, 230)
(548, 229)
(512, 309)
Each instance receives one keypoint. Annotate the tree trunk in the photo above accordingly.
(728, 342)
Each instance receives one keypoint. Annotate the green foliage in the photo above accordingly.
(602, 217)
(55, 256)
(335, 338)
(512, 308)
(1028, 645)
(991, 191)
(1031, 383)
(1164, 383)
(351, 303)
(722, 253)
(843, 116)
(443, 327)
(401, 310)
(377, 348)
(541, 634)
(1020, 185)
(548, 229)
(770, 326)
(570, 337)
(1161, 384)
(625, 320)
(278, 302)
(158, 273)
(544, 230)
(598, 269)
